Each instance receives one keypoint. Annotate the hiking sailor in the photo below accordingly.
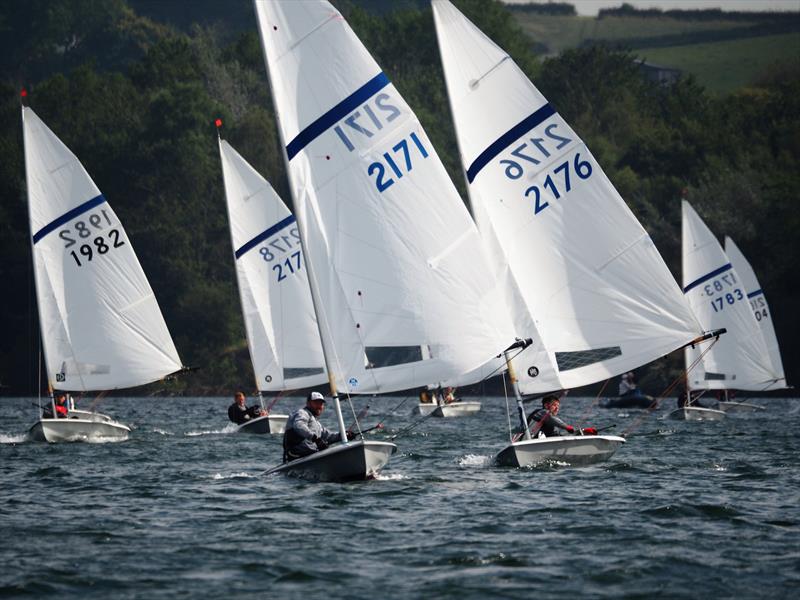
(304, 434)
(545, 421)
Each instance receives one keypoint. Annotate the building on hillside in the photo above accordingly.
(658, 73)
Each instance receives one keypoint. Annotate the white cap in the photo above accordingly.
(316, 396)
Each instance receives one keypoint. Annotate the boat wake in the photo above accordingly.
(474, 460)
(390, 477)
(239, 475)
(231, 428)
(13, 438)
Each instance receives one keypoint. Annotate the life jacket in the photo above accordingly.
(61, 410)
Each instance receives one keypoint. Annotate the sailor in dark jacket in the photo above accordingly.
(239, 413)
(545, 420)
(304, 434)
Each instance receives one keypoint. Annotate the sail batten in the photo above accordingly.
(101, 325)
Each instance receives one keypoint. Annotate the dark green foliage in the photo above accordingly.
(136, 101)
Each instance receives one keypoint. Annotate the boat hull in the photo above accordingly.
(274, 424)
(456, 409)
(696, 413)
(638, 401)
(738, 407)
(575, 450)
(357, 460)
(82, 426)
(424, 408)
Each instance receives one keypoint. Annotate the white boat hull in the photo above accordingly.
(696, 413)
(457, 409)
(575, 450)
(357, 460)
(81, 426)
(274, 424)
(743, 407)
(424, 408)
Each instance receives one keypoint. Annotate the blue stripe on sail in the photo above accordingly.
(345, 107)
(705, 278)
(68, 216)
(756, 293)
(262, 236)
(507, 138)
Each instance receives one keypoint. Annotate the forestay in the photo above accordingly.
(582, 271)
(101, 325)
(282, 331)
(403, 289)
(760, 308)
(716, 293)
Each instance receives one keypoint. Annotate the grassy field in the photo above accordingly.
(726, 66)
(721, 66)
(561, 33)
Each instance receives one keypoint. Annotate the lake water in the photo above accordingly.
(181, 510)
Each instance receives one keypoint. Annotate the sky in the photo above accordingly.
(590, 7)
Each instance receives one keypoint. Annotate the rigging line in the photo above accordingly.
(590, 409)
(500, 367)
(651, 409)
(413, 425)
(97, 400)
(391, 412)
(508, 409)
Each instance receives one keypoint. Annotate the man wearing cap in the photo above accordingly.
(304, 434)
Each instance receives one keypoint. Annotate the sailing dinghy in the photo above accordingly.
(281, 327)
(583, 279)
(718, 296)
(372, 199)
(100, 323)
(763, 316)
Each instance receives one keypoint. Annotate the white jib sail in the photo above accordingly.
(716, 292)
(760, 308)
(588, 275)
(279, 317)
(101, 326)
(403, 290)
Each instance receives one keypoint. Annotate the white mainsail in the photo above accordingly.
(404, 292)
(584, 277)
(739, 359)
(760, 308)
(101, 326)
(282, 331)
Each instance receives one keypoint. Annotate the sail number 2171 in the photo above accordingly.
(403, 155)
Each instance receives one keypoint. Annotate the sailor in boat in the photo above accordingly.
(449, 396)
(62, 411)
(304, 434)
(425, 397)
(545, 421)
(239, 413)
(627, 385)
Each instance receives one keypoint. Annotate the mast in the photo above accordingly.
(312, 279)
(24, 94)
(523, 419)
